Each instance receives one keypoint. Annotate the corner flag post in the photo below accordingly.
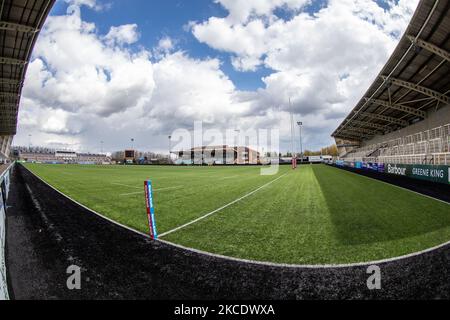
(150, 209)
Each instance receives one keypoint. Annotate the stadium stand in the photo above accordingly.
(20, 23)
(404, 118)
(46, 155)
(219, 155)
(424, 147)
(5, 145)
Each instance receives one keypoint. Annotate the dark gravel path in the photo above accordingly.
(46, 233)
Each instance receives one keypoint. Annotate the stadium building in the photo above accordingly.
(218, 155)
(404, 117)
(44, 155)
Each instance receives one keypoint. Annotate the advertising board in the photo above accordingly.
(439, 174)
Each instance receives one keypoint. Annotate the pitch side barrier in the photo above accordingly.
(437, 174)
(4, 190)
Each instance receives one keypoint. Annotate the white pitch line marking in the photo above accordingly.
(168, 188)
(228, 178)
(225, 258)
(125, 185)
(222, 208)
(139, 192)
(130, 194)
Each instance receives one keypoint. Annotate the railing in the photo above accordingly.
(4, 190)
(433, 159)
(427, 147)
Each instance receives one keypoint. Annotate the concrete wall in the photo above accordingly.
(435, 119)
(346, 145)
(5, 146)
(4, 182)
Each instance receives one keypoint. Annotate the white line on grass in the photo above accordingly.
(130, 194)
(222, 208)
(228, 178)
(163, 189)
(168, 188)
(125, 185)
(262, 263)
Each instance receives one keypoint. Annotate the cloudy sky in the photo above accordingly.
(112, 70)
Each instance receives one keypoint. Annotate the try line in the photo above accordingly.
(143, 191)
(222, 208)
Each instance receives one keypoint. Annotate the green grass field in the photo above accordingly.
(315, 215)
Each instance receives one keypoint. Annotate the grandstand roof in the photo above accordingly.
(415, 80)
(20, 22)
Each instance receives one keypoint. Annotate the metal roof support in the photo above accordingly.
(355, 134)
(399, 107)
(11, 61)
(348, 137)
(349, 145)
(10, 82)
(11, 131)
(384, 118)
(8, 116)
(362, 130)
(416, 100)
(358, 134)
(423, 90)
(8, 108)
(10, 105)
(369, 124)
(10, 26)
(9, 95)
(430, 47)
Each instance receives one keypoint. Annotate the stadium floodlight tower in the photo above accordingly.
(170, 148)
(300, 125)
(294, 157)
(238, 139)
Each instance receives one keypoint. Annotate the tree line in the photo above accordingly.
(327, 151)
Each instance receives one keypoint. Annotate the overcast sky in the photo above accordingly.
(112, 70)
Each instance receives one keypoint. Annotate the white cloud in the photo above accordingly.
(125, 34)
(240, 11)
(92, 4)
(76, 71)
(330, 35)
(166, 44)
(323, 61)
(189, 90)
(246, 41)
(83, 87)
